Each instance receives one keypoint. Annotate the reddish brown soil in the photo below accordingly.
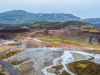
(73, 46)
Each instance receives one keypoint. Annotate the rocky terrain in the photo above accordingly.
(51, 48)
(57, 33)
(48, 61)
(37, 60)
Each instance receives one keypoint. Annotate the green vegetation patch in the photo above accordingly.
(55, 42)
(78, 23)
(84, 67)
(81, 43)
(40, 24)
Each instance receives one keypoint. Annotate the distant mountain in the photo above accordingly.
(22, 17)
(95, 21)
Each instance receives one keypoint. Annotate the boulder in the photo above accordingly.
(94, 41)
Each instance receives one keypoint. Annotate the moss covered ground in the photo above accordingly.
(55, 42)
(84, 67)
(8, 54)
(64, 73)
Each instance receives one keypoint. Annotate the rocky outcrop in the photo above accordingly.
(88, 37)
(94, 41)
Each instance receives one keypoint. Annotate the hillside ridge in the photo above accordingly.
(23, 17)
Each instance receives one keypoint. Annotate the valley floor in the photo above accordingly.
(43, 60)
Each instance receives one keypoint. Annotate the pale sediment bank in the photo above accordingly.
(45, 58)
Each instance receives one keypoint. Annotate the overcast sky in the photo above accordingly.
(80, 8)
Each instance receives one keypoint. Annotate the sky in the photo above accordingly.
(81, 8)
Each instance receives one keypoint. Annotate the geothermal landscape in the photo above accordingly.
(46, 60)
(64, 46)
(42, 54)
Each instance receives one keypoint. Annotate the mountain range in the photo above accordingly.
(95, 21)
(20, 17)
